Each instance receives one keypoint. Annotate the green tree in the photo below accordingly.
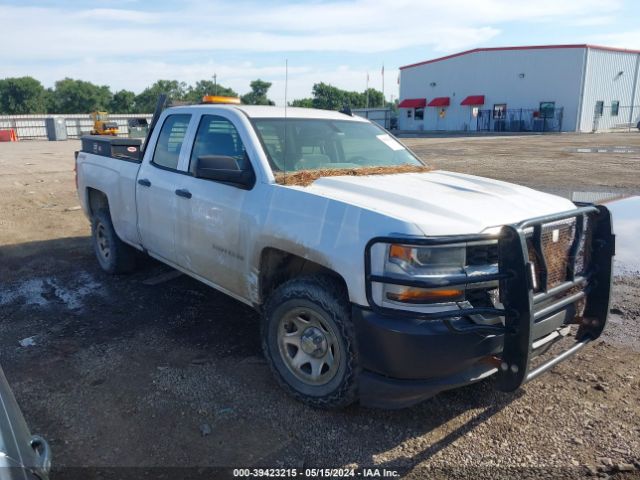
(146, 101)
(302, 102)
(78, 96)
(21, 96)
(258, 94)
(123, 101)
(49, 100)
(207, 87)
(328, 97)
(376, 99)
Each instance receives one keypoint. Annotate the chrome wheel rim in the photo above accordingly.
(308, 346)
(102, 242)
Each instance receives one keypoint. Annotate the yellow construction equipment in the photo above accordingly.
(102, 125)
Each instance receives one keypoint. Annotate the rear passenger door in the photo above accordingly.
(156, 197)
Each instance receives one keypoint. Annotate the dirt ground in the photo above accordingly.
(145, 371)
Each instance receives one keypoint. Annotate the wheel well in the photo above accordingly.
(97, 200)
(278, 266)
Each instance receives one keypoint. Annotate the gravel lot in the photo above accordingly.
(136, 371)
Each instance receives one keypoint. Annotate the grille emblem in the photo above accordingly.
(555, 236)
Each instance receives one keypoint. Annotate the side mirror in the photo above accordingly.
(224, 169)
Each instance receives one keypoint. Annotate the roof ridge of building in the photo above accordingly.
(522, 47)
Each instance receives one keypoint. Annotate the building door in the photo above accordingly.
(413, 118)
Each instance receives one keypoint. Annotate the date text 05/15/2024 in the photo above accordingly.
(314, 473)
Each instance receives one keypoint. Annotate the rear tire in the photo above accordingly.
(309, 341)
(114, 256)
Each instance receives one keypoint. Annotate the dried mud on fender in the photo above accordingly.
(304, 178)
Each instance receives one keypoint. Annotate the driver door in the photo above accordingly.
(214, 224)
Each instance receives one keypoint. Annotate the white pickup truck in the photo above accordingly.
(377, 281)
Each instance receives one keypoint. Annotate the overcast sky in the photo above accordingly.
(132, 43)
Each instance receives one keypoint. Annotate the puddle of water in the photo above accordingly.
(46, 292)
(594, 197)
(618, 149)
(626, 226)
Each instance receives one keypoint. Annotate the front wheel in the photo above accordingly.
(309, 341)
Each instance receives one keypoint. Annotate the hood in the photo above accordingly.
(440, 202)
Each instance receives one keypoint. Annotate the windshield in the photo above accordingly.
(312, 144)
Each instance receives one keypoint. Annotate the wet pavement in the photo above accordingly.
(605, 149)
(626, 226)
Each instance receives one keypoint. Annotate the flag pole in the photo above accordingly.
(383, 99)
(367, 90)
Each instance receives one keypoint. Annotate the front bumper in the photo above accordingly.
(406, 360)
(409, 356)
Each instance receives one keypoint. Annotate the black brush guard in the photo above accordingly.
(522, 306)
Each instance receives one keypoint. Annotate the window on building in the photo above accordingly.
(409, 113)
(547, 109)
(599, 107)
(615, 107)
(499, 110)
(167, 152)
(419, 114)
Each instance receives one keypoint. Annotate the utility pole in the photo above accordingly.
(215, 84)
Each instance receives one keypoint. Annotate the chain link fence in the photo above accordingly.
(33, 127)
(616, 118)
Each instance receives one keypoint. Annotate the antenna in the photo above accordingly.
(286, 85)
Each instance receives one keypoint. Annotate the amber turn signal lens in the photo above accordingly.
(422, 295)
(400, 252)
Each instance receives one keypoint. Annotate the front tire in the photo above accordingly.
(114, 256)
(309, 341)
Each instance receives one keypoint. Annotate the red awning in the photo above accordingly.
(439, 102)
(473, 100)
(413, 103)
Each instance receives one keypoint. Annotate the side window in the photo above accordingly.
(599, 107)
(419, 114)
(167, 151)
(218, 136)
(615, 108)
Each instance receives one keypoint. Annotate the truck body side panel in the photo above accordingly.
(116, 179)
(328, 232)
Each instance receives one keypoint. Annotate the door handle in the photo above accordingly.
(182, 192)
(144, 182)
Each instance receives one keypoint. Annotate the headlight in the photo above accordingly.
(424, 263)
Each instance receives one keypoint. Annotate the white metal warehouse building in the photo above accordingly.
(535, 88)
